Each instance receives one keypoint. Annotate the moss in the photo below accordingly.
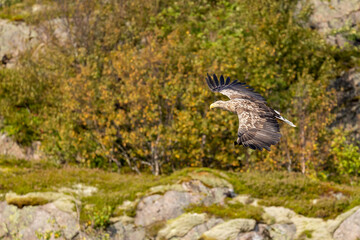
(21, 202)
(305, 235)
(229, 211)
(153, 229)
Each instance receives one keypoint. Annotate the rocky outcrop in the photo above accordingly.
(232, 229)
(30, 222)
(349, 228)
(172, 203)
(348, 94)
(15, 38)
(338, 22)
(334, 19)
(187, 226)
(160, 214)
(9, 147)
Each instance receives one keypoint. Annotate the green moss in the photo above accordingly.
(305, 235)
(154, 228)
(229, 211)
(29, 202)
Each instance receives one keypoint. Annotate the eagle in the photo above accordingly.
(258, 123)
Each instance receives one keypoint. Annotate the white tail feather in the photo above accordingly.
(284, 119)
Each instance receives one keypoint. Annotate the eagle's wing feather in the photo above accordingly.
(258, 127)
(233, 89)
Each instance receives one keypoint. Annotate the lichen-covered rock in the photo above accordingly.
(197, 231)
(243, 199)
(229, 230)
(278, 215)
(80, 190)
(126, 208)
(122, 231)
(317, 227)
(164, 188)
(180, 226)
(349, 228)
(282, 231)
(211, 180)
(30, 222)
(62, 201)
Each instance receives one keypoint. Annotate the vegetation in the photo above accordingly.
(126, 89)
(292, 190)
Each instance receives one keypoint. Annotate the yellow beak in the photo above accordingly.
(212, 106)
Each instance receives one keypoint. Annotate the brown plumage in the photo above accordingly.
(258, 125)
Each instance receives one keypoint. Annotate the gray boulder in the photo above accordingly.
(230, 230)
(349, 228)
(124, 231)
(32, 222)
(188, 226)
(156, 208)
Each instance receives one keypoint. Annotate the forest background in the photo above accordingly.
(125, 90)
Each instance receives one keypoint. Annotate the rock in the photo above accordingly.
(10, 148)
(15, 38)
(243, 199)
(333, 224)
(30, 221)
(123, 219)
(179, 227)
(80, 190)
(126, 208)
(317, 227)
(211, 180)
(230, 230)
(197, 231)
(209, 195)
(164, 188)
(261, 232)
(348, 102)
(333, 17)
(157, 207)
(349, 228)
(121, 231)
(282, 231)
(62, 201)
(277, 215)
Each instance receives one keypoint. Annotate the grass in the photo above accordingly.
(290, 190)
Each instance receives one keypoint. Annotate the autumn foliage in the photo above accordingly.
(126, 89)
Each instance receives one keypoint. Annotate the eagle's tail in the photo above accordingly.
(284, 119)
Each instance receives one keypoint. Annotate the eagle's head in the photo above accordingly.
(218, 104)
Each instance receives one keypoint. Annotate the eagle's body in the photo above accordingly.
(258, 126)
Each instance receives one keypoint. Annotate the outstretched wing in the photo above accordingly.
(258, 127)
(233, 89)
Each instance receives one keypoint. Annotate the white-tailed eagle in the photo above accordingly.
(258, 125)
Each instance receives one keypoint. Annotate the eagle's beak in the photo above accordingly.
(212, 106)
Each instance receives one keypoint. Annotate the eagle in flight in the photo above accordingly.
(258, 125)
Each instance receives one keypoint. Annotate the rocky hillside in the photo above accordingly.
(338, 22)
(75, 203)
